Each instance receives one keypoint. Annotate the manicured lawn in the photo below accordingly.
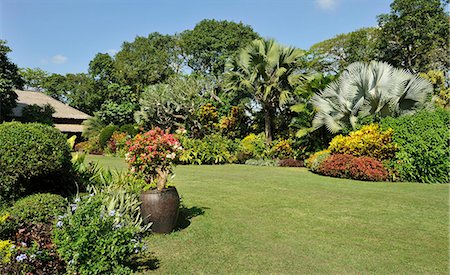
(287, 220)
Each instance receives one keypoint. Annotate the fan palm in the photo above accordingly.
(267, 72)
(365, 89)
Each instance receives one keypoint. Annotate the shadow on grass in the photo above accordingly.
(144, 262)
(185, 215)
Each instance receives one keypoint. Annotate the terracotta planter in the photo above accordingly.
(160, 208)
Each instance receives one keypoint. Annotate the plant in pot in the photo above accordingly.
(151, 155)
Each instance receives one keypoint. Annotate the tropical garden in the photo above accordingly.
(275, 159)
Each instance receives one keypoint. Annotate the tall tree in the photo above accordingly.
(9, 79)
(267, 72)
(145, 61)
(335, 54)
(34, 78)
(414, 35)
(208, 46)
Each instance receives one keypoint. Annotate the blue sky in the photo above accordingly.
(62, 36)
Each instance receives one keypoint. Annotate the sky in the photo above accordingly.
(62, 36)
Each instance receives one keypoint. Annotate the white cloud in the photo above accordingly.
(111, 51)
(326, 4)
(59, 59)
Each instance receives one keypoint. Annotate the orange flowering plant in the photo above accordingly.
(152, 154)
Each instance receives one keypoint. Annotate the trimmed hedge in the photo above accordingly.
(33, 157)
(424, 141)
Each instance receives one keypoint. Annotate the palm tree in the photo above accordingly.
(365, 89)
(267, 72)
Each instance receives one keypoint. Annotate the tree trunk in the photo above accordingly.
(268, 125)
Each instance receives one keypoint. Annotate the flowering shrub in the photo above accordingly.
(358, 168)
(91, 240)
(314, 161)
(369, 141)
(152, 154)
(32, 251)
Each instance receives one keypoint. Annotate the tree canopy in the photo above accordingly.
(9, 80)
(208, 46)
(414, 35)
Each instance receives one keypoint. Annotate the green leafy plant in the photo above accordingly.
(33, 157)
(106, 134)
(92, 242)
(36, 113)
(424, 150)
(261, 162)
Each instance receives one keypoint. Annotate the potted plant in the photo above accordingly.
(152, 156)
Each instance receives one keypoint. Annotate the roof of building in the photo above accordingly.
(61, 110)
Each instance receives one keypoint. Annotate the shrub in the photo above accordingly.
(36, 113)
(314, 161)
(33, 209)
(290, 163)
(358, 168)
(424, 140)
(117, 144)
(90, 241)
(129, 129)
(33, 157)
(152, 154)
(106, 134)
(368, 141)
(253, 146)
(33, 252)
(282, 149)
(211, 149)
(261, 162)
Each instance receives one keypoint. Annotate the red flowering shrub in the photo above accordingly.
(152, 154)
(358, 168)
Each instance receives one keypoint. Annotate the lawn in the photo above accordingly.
(246, 219)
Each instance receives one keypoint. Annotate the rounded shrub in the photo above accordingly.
(424, 146)
(106, 134)
(33, 209)
(33, 157)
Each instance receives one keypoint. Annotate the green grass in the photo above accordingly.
(288, 220)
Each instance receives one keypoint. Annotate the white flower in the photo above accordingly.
(112, 212)
(59, 224)
(170, 156)
(21, 257)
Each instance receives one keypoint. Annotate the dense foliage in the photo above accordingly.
(27, 228)
(368, 141)
(9, 79)
(36, 113)
(40, 160)
(424, 150)
(91, 242)
(358, 168)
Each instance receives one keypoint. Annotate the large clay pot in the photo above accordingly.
(160, 208)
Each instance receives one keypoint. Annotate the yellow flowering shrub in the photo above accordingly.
(5, 251)
(369, 141)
